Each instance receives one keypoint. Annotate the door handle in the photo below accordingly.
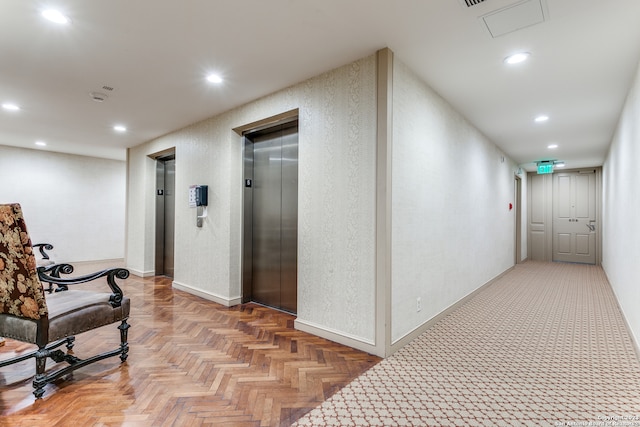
(591, 227)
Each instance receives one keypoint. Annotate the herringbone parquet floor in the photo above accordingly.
(191, 362)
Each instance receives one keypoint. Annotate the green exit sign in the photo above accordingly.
(545, 168)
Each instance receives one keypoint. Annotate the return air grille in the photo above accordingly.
(470, 3)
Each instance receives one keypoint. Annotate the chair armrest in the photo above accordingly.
(41, 247)
(55, 270)
(111, 274)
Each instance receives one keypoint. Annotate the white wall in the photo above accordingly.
(76, 203)
(452, 230)
(336, 226)
(140, 226)
(621, 211)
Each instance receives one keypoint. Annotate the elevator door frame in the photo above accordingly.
(247, 222)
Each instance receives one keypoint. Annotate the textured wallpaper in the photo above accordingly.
(452, 230)
(336, 224)
(140, 225)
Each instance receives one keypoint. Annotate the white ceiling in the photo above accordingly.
(156, 54)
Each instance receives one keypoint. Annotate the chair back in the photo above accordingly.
(21, 293)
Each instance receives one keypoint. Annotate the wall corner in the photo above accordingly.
(384, 137)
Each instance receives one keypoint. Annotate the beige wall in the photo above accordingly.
(621, 201)
(336, 270)
(76, 203)
(452, 230)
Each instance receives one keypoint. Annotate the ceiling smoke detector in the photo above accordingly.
(98, 96)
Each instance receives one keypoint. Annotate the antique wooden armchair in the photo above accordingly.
(51, 321)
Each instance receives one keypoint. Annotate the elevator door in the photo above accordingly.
(274, 216)
(165, 216)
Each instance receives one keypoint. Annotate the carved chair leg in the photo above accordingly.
(40, 379)
(124, 345)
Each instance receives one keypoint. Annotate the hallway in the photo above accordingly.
(545, 345)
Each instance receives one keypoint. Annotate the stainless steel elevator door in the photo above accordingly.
(165, 216)
(274, 220)
(169, 216)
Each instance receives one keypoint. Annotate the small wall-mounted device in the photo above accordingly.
(199, 198)
(198, 195)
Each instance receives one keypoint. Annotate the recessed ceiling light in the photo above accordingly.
(55, 16)
(558, 164)
(10, 106)
(214, 78)
(517, 58)
(552, 146)
(119, 128)
(41, 143)
(541, 119)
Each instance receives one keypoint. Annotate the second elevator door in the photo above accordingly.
(165, 215)
(169, 216)
(275, 217)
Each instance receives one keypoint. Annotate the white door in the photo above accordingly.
(574, 217)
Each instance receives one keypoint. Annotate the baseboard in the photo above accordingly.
(401, 342)
(369, 346)
(339, 337)
(227, 302)
(634, 339)
(140, 273)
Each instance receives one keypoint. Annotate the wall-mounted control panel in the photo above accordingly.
(199, 198)
(198, 195)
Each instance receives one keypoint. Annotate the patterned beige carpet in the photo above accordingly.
(546, 345)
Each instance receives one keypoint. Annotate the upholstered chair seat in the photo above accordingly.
(70, 313)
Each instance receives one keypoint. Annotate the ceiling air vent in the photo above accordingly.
(98, 96)
(470, 3)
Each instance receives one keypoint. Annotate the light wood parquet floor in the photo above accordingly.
(191, 363)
